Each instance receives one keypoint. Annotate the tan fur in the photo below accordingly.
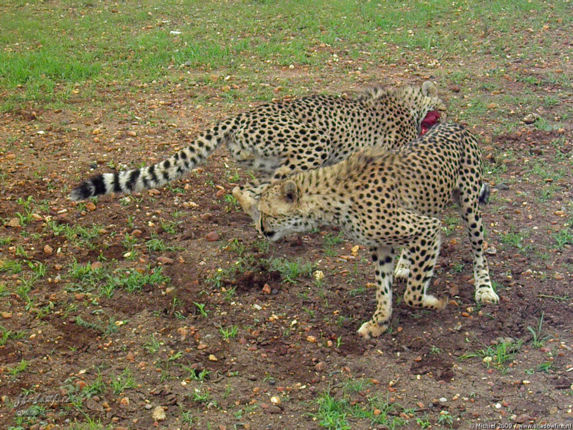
(390, 199)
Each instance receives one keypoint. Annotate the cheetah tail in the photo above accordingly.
(484, 193)
(157, 175)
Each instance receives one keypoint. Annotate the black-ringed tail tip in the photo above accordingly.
(156, 175)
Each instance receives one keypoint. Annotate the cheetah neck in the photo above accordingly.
(332, 195)
(416, 103)
(325, 194)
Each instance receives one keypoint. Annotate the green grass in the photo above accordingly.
(78, 235)
(6, 335)
(292, 270)
(498, 355)
(123, 382)
(330, 241)
(86, 278)
(155, 244)
(132, 280)
(229, 332)
(337, 412)
(10, 266)
(515, 239)
(64, 50)
(19, 368)
(563, 237)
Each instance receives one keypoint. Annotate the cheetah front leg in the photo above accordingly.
(383, 257)
(422, 254)
(248, 197)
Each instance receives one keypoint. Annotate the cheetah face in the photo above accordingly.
(431, 103)
(281, 211)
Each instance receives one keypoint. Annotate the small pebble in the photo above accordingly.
(165, 260)
(212, 236)
(158, 413)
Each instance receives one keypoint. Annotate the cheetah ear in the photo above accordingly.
(290, 191)
(429, 89)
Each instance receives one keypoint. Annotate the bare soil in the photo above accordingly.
(295, 339)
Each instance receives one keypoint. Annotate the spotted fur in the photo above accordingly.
(278, 139)
(388, 200)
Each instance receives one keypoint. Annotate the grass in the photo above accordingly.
(133, 280)
(498, 355)
(123, 382)
(515, 239)
(43, 64)
(229, 333)
(6, 335)
(562, 238)
(537, 339)
(88, 277)
(18, 368)
(290, 270)
(334, 412)
(78, 235)
(10, 266)
(330, 241)
(155, 244)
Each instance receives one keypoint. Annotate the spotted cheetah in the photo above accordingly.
(278, 139)
(389, 199)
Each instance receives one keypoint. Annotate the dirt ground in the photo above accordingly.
(232, 339)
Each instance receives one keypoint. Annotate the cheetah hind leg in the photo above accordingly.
(470, 213)
(422, 255)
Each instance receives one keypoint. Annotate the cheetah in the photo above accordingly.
(281, 138)
(390, 199)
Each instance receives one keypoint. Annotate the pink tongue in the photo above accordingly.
(430, 120)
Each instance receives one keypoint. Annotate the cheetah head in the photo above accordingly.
(424, 104)
(282, 211)
(429, 107)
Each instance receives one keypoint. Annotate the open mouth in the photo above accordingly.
(430, 120)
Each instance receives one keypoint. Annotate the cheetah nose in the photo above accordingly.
(267, 233)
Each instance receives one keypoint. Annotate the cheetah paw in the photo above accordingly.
(370, 329)
(247, 202)
(432, 302)
(485, 294)
(401, 273)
